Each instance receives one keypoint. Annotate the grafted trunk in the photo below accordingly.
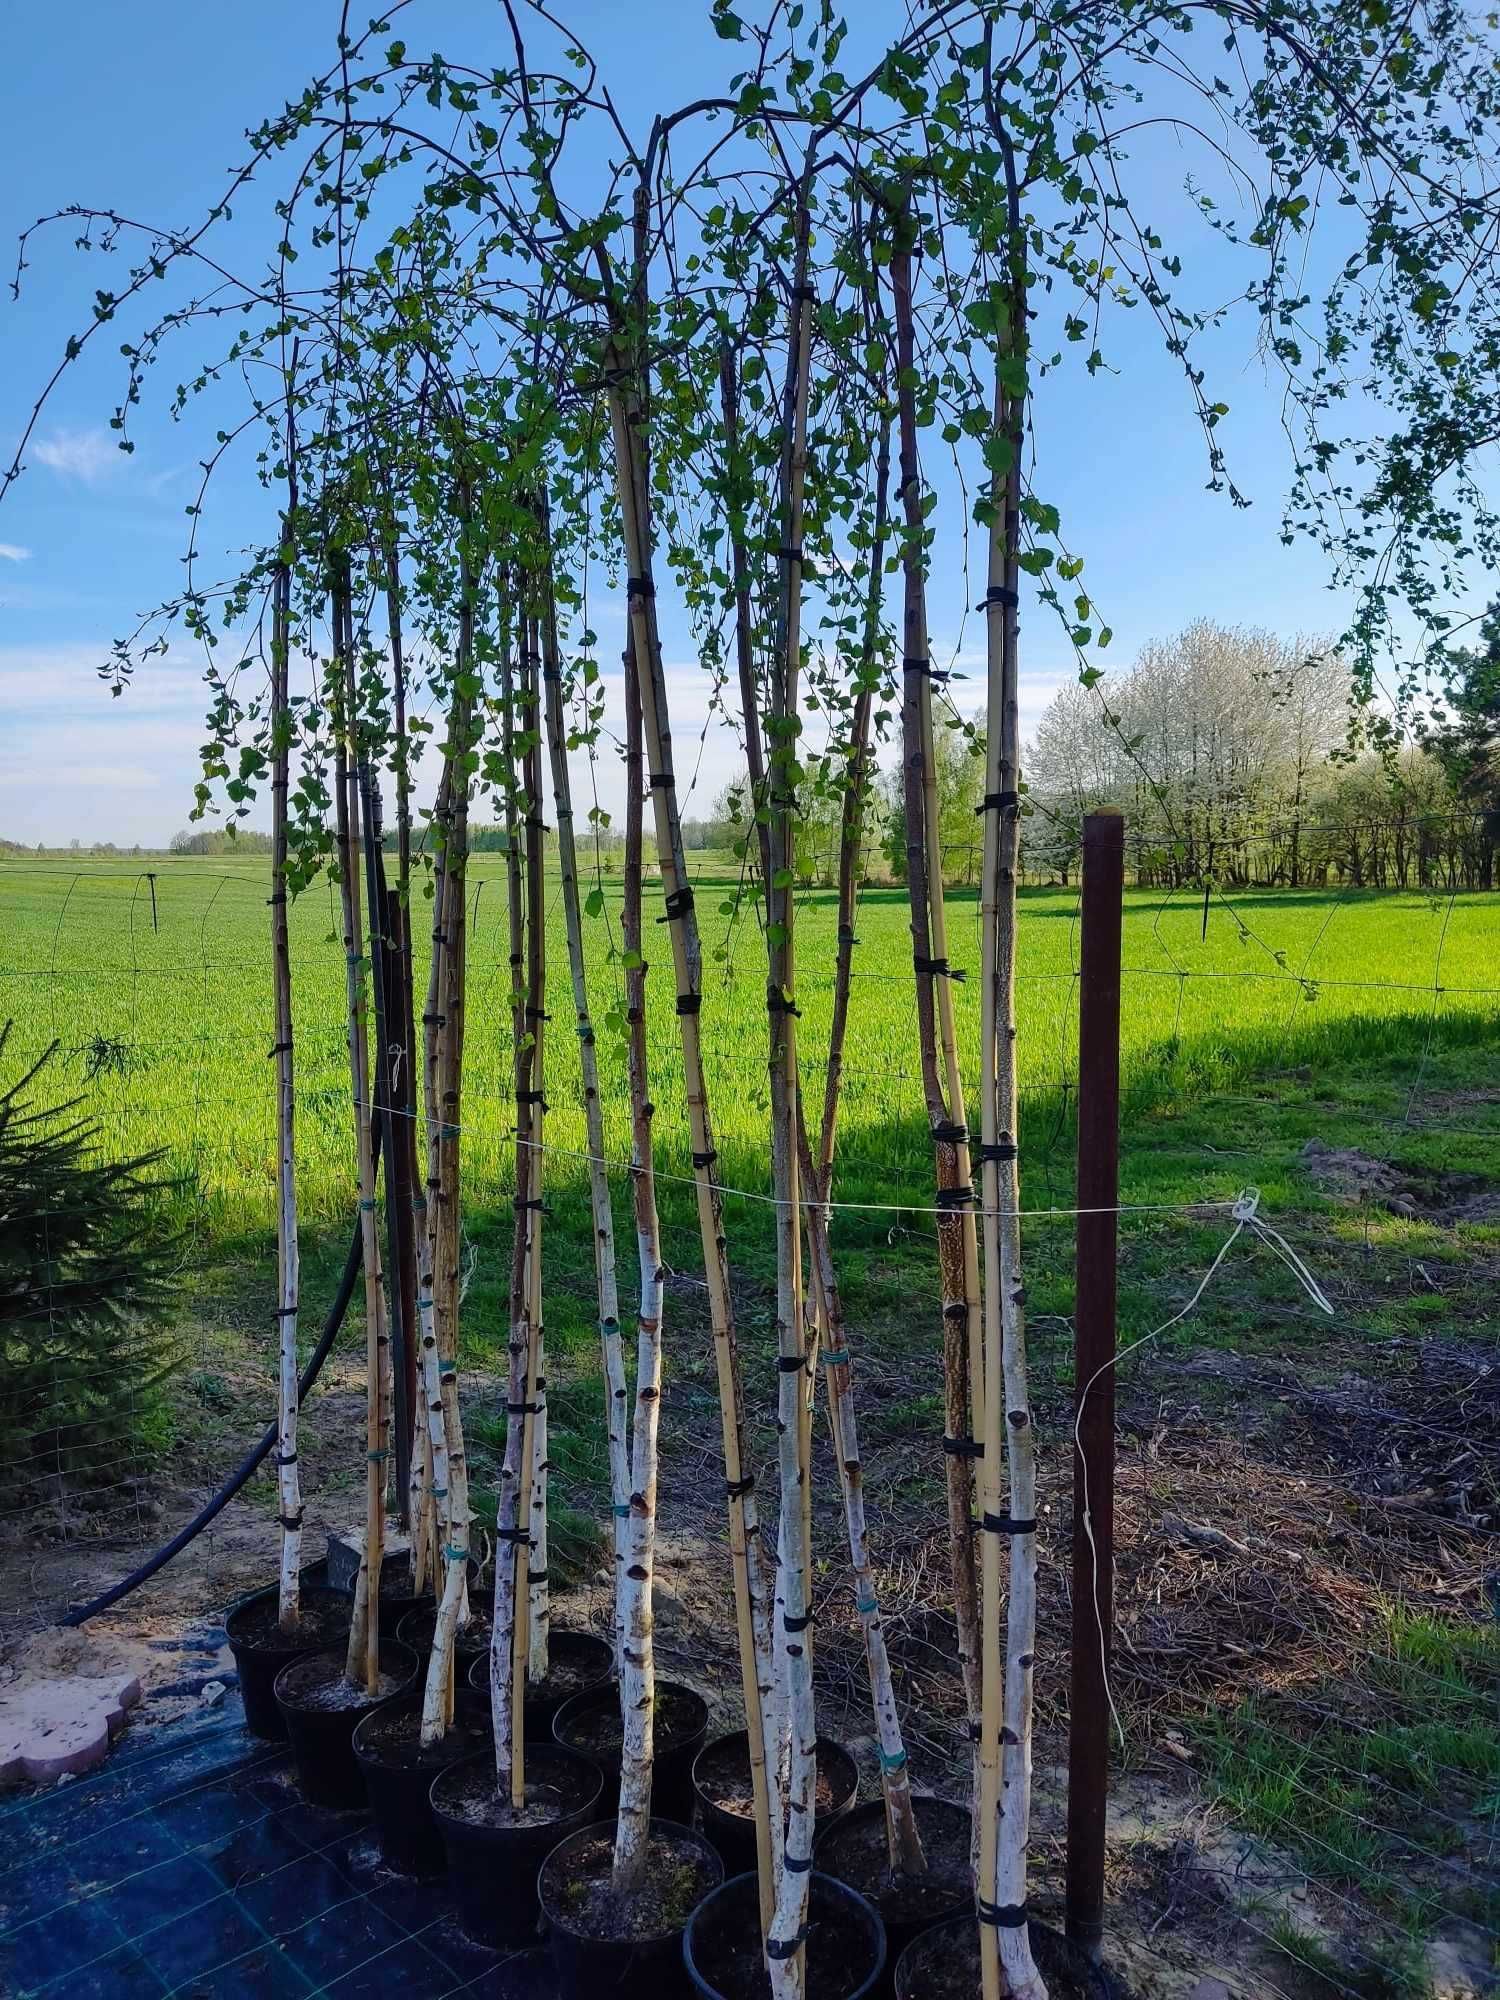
(785, 1959)
(531, 1651)
(363, 1665)
(957, 1240)
(288, 1483)
(638, 1666)
(901, 1826)
(507, 1689)
(616, 1395)
(439, 1249)
(627, 418)
(1005, 1751)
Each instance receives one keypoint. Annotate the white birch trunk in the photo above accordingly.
(616, 1395)
(635, 1618)
(751, 1615)
(1005, 1371)
(288, 1482)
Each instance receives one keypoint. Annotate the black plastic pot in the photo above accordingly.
(579, 1664)
(322, 1739)
(577, 1721)
(259, 1656)
(953, 1948)
(420, 1618)
(938, 1821)
(587, 1965)
(845, 1942)
(396, 1599)
(733, 1834)
(398, 1793)
(493, 1869)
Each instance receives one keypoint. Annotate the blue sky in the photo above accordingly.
(143, 109)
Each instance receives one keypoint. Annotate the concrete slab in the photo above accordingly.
(56, 1728)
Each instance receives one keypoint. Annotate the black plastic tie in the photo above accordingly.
(778, 1003)
(999, 802)
(679, 902)
(938, 968)
(291, 1522)
(1007, 1524)
(782, 1949)
(998, 593)
(738, 1488)
(950, 1134)
(512, 1535)
(791, 1364)
(963, 1447)
(663, 781)
(796, 1625)
(954, 1197)
(1001, 1916)
(705, 1159)
(797, 1864)
(996, 1152)
(639, 586)
(689, 1003)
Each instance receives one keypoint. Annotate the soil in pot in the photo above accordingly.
(473, 1641)
(943, 1964)
(601, 1943)
(592, 1723)
(398, 1774)
(576, 1661)
(856, 1851)
(726, 1801)
(396, 1596)
(261, 1649)
(323, 1708)
(845, 1943)
(494, 1851)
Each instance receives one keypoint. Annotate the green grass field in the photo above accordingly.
(173, 1018)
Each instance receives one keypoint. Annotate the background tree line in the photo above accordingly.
(1229, 752)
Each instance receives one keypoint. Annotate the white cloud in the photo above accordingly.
(13, 552)
(83, 455)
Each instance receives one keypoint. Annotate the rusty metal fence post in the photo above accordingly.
(1094, 1378)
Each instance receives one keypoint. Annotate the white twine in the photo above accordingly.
(1245, 1209)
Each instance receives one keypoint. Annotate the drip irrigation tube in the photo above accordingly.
(353, 1264)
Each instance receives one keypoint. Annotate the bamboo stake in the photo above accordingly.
(1007, 1400)
(638, 1671)
(288, 1483)
(364, 1632)
(616, 1403)
(627, 418)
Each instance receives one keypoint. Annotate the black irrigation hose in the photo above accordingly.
(353, 1264)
